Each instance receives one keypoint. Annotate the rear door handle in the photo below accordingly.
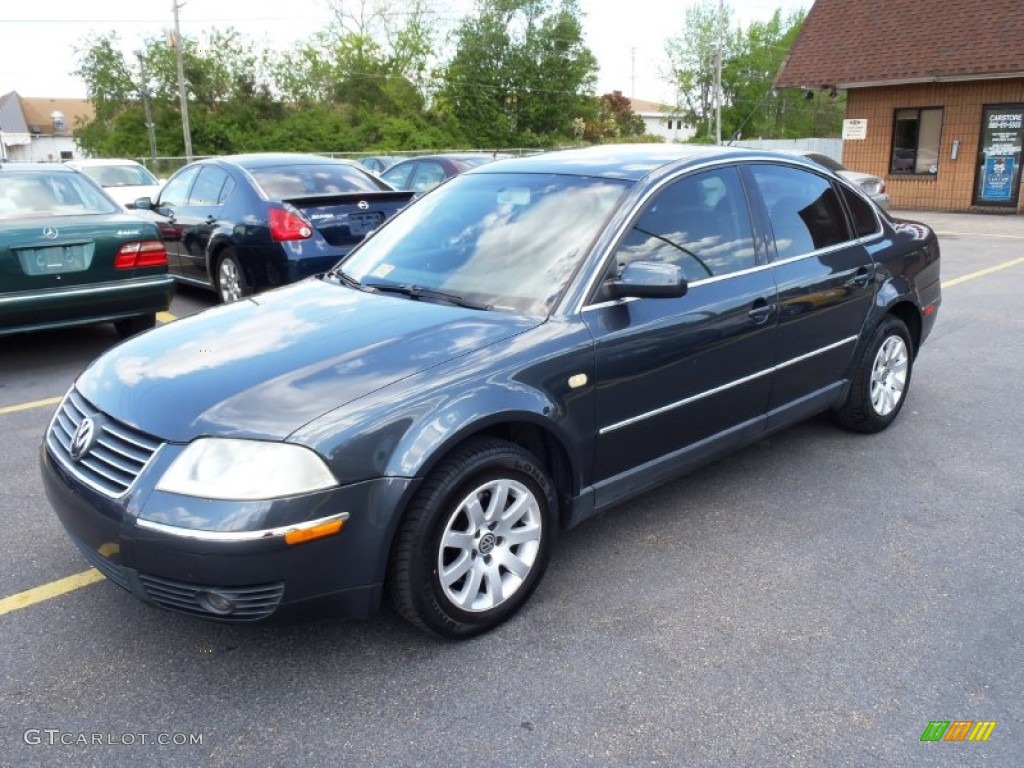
(863, 276)
(761, 310)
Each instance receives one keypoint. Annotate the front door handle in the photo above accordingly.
(761, 310)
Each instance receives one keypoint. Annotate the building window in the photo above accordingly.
(915, 141)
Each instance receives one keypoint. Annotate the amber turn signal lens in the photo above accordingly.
(316, 532)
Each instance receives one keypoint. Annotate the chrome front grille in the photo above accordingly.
(118, 453)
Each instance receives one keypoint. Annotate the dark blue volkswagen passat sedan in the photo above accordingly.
(529, 344)
(244, 223)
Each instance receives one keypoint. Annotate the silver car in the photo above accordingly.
(873, 186)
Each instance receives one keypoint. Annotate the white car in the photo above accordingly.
(124, 180)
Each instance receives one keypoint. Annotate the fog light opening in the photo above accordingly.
(215, 602)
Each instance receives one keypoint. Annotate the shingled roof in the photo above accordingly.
(859, 43)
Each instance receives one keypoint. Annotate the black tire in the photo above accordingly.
(880, 379)
(492, 472)
(232, 284)
(130, 326)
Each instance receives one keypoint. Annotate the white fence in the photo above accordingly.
(831, 147)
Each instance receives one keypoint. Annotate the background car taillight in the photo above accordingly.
(288, 225)
(145, 253)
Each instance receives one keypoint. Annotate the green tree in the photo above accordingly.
(751, 58)
(520, 73)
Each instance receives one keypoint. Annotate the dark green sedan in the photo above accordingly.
(69, 255)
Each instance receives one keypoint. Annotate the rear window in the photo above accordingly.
(38, 194)
(120, 175)
(280, 182)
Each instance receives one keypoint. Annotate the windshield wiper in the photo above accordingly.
(347, 279)
(420, 293)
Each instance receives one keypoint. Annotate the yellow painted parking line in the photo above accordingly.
(27, 406)
(166, 317)
(49, 591)
(982, 272)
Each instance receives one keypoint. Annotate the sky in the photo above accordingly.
(38, 42)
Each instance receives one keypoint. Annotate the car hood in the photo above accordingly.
(267, 365)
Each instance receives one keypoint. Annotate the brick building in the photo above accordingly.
(936, 88)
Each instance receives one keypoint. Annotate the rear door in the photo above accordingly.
(199, 218)
(825, 276)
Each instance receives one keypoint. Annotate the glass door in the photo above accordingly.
(997, 181)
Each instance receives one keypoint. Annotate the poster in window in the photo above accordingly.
(997, 184)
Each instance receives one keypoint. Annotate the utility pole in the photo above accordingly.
(632, 73)
(144, 91)
(186, 130)
(718, 74)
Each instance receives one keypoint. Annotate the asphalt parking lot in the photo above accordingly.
(815, 600)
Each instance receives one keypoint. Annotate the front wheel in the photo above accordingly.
(231, 282)
(880, 380)
(475, 540)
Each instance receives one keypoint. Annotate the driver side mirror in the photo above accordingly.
(648, 280)
(143, 203)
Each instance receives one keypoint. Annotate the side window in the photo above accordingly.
(915, 141)
(700, 222)
(804, 209)
(428, 175)
(175, 193)
(206, 190)
(864, 220)
(226, 190)
(398, 177)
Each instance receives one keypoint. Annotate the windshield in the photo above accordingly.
(286, 181)
(33, 194)
(509, 241)
(120, 175)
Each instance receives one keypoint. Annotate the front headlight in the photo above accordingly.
(245, 470)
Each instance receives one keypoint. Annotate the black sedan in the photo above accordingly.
(241, 224)
(70, 255)
(532, 343)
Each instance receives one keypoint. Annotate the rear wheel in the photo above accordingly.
(475, 540)
(130, 326)
(231, 282)
(881, 379)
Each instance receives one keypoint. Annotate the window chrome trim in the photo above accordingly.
(724, 387)
(596, 274)
(793, 161)
(230, 536)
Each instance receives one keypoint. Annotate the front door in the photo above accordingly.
(679, 378)
(997, 178)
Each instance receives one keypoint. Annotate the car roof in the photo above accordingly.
(631, 162)
(101, 161)
(449, 156)
(36, 167)
(271, 159)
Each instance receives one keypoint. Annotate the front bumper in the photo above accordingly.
(342, 573)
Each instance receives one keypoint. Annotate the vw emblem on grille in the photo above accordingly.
(83, 439)
(50, 233)
(362, 205)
